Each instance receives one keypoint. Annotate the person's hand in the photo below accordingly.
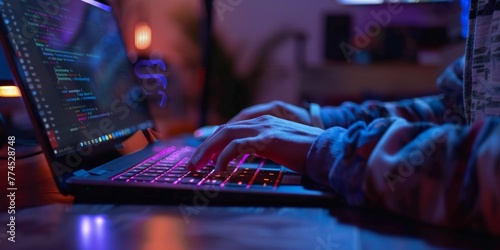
(277, 109)
(285, 142)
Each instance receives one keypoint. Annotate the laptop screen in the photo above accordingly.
(72, 65)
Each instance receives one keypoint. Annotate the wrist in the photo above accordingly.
(315, 115)
(323, 154)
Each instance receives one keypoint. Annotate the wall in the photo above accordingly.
(243, 25)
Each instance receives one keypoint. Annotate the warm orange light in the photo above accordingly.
(142, 36)
(9, 91)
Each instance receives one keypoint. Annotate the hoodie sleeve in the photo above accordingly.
(442, 174)
(447, 107)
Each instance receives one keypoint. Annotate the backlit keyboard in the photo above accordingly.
(169, 166)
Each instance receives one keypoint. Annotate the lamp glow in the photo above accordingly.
(9, 91)
(142, 36)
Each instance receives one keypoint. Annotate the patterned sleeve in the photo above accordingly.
(442, 174)
(444, 108)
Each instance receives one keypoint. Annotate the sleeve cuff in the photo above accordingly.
(315, 113)
(320, 161)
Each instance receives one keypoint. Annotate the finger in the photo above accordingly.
(250, 113)
(246, 115)
(216, 143)
(196, 156)
(202, 155)
(234, 149)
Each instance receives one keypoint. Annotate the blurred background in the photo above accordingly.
(324, 51)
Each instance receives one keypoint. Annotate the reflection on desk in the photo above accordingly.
(45, 219)
(97, 227)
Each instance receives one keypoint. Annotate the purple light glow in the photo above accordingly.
(98, 5)
(92, 232)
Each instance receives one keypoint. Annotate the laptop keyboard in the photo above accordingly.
(169, 166)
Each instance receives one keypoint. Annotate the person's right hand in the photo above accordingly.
(284, 142)
(277, 109)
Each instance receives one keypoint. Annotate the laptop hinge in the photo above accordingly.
(97, 171)
(81, 173)
(137, 141)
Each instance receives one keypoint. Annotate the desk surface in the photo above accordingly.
(45, 219)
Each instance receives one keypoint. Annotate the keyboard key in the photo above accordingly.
(190, 180)
(173, 175)
(182, 168)
(166, 180)
(212, 182)
(240, 178)
(248, 166)
(128, 174)
(121, 178)
(178, 171)
(208, 167)
(143, 178)
(149, 163)
(268, 173)
(195, 174)
(134, 170)
(223, 175)
(164, 169)
(164, 164)
(262, 186)
(204, 172)
(149, 174)
(262, 180)
(236, 184)
(153, 171)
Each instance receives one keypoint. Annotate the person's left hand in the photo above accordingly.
(285, 142)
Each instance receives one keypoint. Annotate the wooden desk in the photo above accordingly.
(47, 220)
(33, 180)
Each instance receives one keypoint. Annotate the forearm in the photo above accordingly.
(447, 107)
(446, 175)
(430, 109)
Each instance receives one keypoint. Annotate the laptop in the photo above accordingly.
(91, 117)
